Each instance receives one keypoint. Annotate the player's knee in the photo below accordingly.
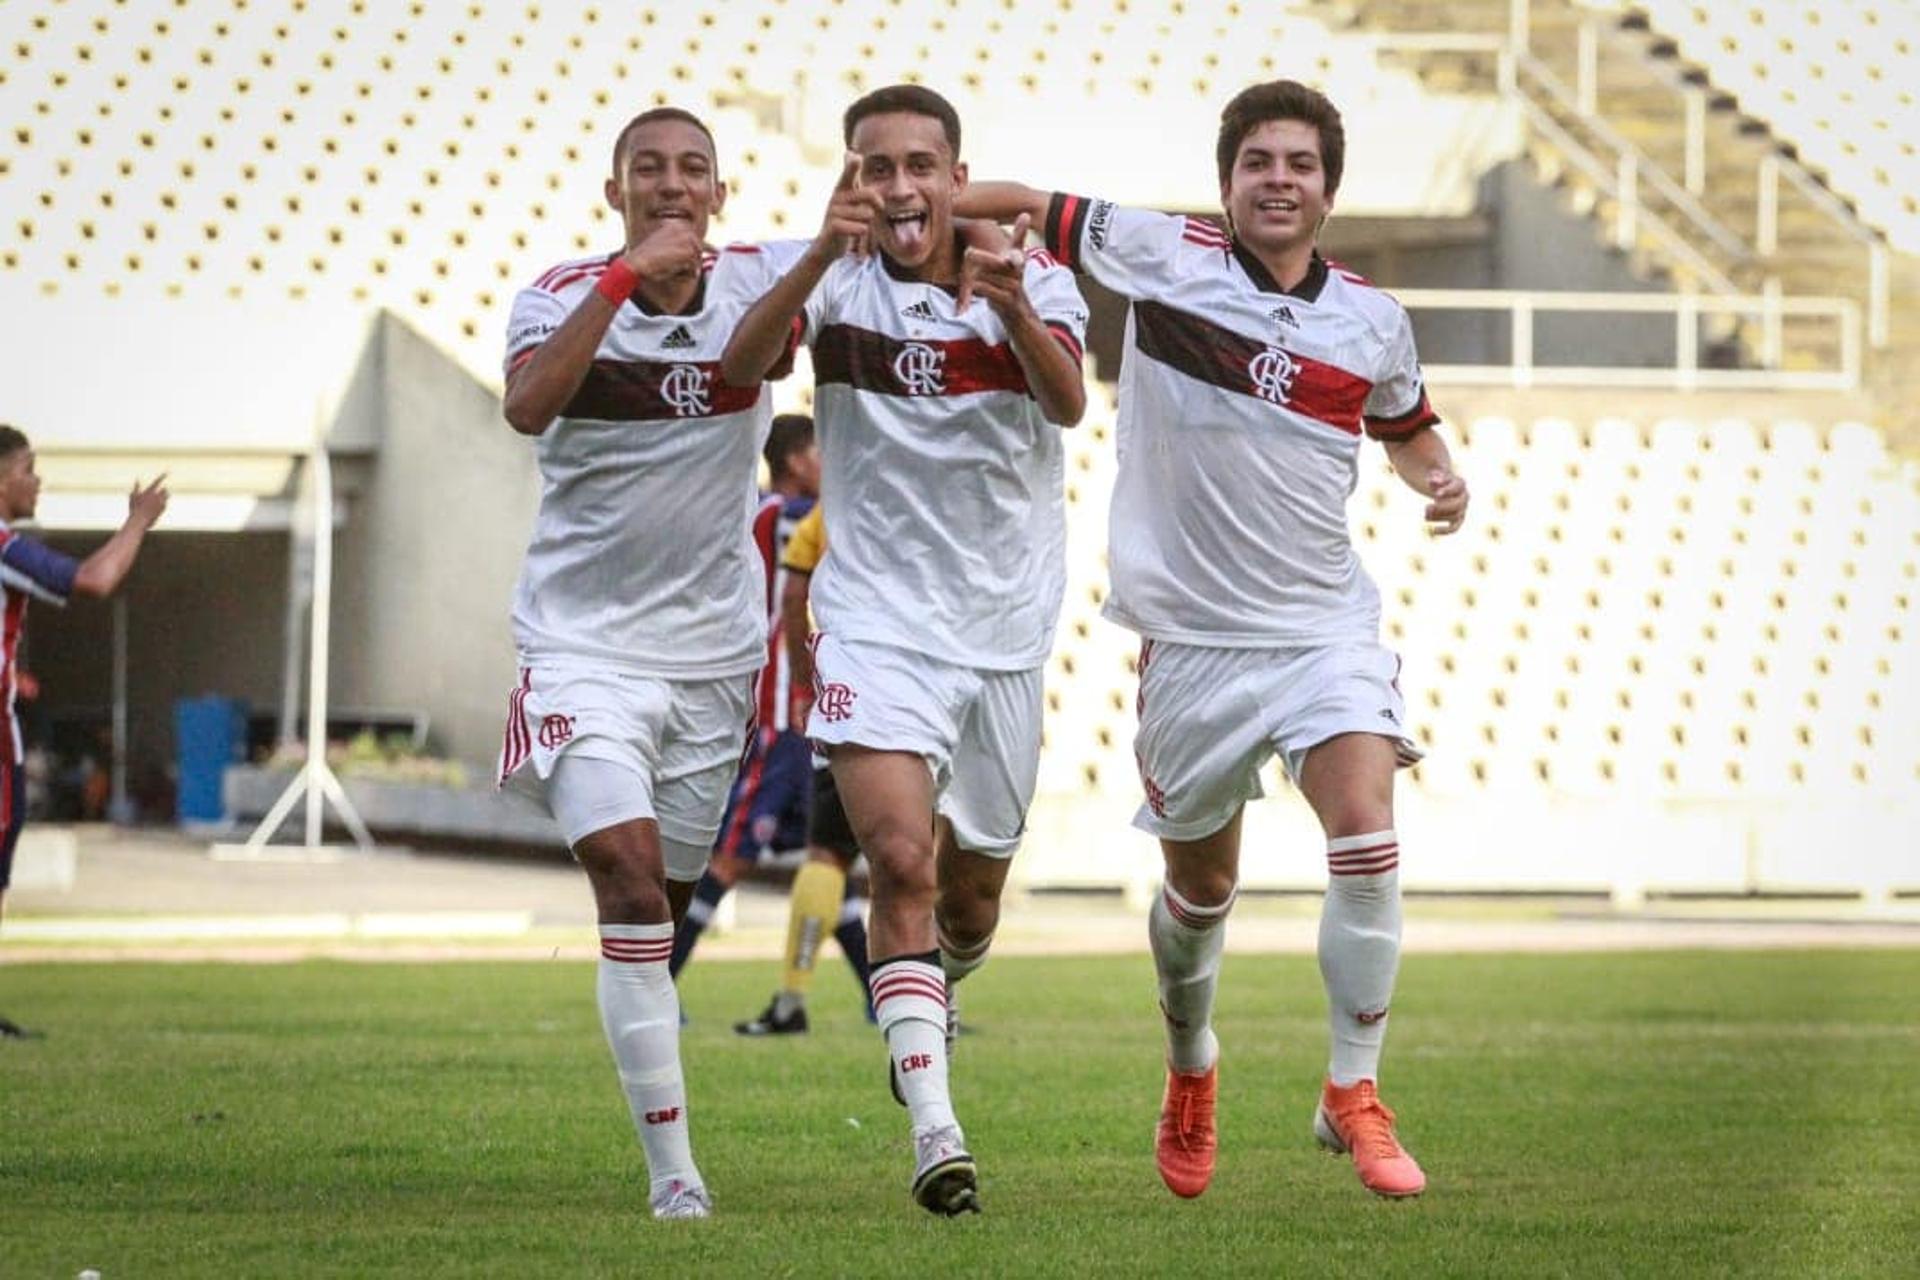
(902, 860)
(1203, 885)
(626, 885)
(1357, 815)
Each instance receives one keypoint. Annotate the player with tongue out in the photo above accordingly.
(938, 413)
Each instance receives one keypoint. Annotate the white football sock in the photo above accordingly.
(1187, 942)
(910, 1004)
(641, 1013)
(957, 961)
(1360, 949)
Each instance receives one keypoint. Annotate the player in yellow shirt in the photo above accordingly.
(820, 897)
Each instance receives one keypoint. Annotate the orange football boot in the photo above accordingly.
(1185, 1140)
(1354, 1120)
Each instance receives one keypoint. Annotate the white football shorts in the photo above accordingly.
(1211, 718)
(978, 730)
(676, 744)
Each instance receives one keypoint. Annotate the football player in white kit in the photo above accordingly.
(940, 431)
(640, 616)
(1252, 369)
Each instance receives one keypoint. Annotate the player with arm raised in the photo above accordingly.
(822, 896)
(1253, 367)
(641, 617)
(31, 570)
(940, 431)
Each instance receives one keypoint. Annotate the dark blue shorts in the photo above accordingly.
(771, 799)
(13, 814)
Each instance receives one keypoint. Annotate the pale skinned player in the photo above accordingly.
(939, 423)
(1251, 371)
(641, 616)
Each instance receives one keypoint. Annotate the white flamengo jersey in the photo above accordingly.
(642, 557)
(941, 477)
(1242, 407)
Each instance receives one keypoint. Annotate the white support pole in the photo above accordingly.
(1518, 22)
(1522, 342)
(1767, 216)
(1850, 345)
(1587, 70)
(315, 783)
(1686, 335)
(1771, 344)
(120, 805)
(1696, 102)
(1627, 214)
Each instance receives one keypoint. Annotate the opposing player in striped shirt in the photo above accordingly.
(1252, 369)
(31, 570)
(940, 431)
(640, 616)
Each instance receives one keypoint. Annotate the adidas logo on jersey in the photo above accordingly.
(1283, 315)
(921, 310)
(678, 340)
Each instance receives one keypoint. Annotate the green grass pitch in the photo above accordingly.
(1674, 1114)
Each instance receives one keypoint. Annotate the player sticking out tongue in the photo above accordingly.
(906, 160)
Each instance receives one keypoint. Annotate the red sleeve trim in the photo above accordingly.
(1064, 336)
(1415, 419)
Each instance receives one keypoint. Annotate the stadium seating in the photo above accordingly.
(1671, 609)
(1836, 78)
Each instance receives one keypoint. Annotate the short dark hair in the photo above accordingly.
(653, 115)
(12, 440)
(791, 433)
(1282, 100)
(915, 99)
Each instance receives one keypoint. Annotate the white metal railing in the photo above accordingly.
(1524, 307)
(1539, 92)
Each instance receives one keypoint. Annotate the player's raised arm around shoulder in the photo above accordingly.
(1001, 202)
(1399, 415)
(550, 348)
(765, 333)
(101, 573)
(1137, 253)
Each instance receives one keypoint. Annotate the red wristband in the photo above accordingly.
(616, 282)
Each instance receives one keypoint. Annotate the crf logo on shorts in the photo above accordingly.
(555, 730)
(833, 701)
(666, 1115)
(918, 366)
(685, 388)
(1273, 372)
(915, 1062)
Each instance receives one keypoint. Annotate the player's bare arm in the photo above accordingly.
(667, 260)
(1052, 372)
(1422, 461)
(797, 626)
(1002, 202)
(761, 339)
(103, 571)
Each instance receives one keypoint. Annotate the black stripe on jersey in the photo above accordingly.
(890, 366)
(650, 390)
(1213, 354)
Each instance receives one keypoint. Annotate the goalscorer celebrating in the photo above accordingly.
(1252, 369)
(940, 430)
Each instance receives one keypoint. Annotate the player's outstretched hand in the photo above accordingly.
(1000, 278)
(145, 504)
(671, 251)
(1447, 510)
(850, 215)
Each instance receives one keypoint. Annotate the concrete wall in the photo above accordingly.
(425, 567)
